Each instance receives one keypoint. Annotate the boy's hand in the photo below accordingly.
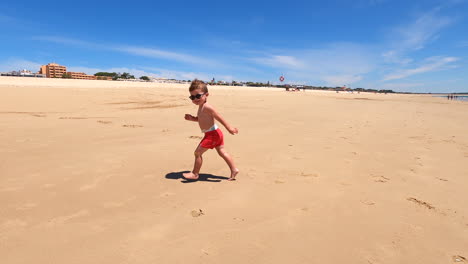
(233, 130)
(188, 117)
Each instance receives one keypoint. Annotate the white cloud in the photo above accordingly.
(67, 41)
(183, 75)
(424, 29)
(337, 64)
(280, 61)
(163, 54)
(19, 64)
(134, 50)
(338, 80)
(393, 56)
(431, 64)
(414, 36)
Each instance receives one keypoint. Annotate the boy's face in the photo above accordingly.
(198, 97)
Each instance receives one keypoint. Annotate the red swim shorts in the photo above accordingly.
(212, 139)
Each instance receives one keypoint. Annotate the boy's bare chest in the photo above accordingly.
(205, 119)
(203, 114)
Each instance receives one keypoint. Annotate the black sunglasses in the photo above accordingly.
(198, 96)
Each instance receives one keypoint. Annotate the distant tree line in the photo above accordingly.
(116, 75)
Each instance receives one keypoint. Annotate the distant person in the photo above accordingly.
(213, 136)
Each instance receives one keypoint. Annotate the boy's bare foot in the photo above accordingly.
(233, 175)
(190, 176)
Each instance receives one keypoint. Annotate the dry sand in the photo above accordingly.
(90, 173)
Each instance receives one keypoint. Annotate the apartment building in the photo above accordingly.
(80, 75)
(53, 70)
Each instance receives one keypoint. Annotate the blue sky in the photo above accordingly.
(416, 46)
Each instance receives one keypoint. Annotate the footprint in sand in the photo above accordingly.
(441, 179)
(197, 213)
(279, 181)
(458, 259)
(195, 137)
(72, 117)
(419, 202)
(132, 126)
(309, 174)
(380, 178)
(104, 122)
(367, 202)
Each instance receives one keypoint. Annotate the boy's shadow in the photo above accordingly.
(202, 177)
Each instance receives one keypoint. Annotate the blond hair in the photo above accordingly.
(198, 84)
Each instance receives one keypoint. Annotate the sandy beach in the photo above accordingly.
(90, 172)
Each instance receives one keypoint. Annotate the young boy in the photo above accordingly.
(213, 136)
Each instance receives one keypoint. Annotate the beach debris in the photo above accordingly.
(197, 213)
(458, 258)
(380, 178)
(104, 122)
(309, 174)
(441, 179)
(196, 137)
(73, 117)
(422, 203)
(132, 126)
(367, 202)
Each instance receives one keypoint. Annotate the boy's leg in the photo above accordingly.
(230, 162)
(197, 165)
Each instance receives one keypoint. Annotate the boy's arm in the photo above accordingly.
(218, 117)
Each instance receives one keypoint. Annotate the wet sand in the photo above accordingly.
(90, 172)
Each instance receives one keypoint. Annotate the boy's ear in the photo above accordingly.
(207, 94)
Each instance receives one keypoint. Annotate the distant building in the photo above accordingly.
(80, 75)
(23, 73)
(165, 80)
(53, 70)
